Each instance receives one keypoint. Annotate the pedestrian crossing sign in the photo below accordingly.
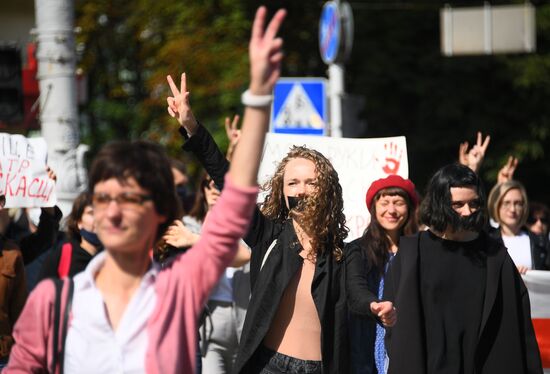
(300, 106)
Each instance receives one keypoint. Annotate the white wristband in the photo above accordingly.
(256, 101)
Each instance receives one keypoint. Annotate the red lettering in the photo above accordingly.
(22, 186)
(47, 197)
(11, 164)
(9, 189)
(31, 194)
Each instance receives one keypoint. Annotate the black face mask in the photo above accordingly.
(90, 237)
(293, 201)
(186, 197)
(473, 222)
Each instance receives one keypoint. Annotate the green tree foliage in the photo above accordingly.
(128, 48)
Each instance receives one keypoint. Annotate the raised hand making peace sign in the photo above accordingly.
(178, 105)
(265, 52)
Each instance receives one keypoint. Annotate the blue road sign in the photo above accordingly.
(329, 32)
(299, 106)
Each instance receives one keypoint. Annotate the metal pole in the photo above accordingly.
(58, 106)
(336, 92)
(336, 83)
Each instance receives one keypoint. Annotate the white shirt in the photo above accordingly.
(519, 248)
(224, 289)
(92, 345)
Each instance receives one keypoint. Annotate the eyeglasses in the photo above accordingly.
(2, 201)
(533, 220)
(126, 200)
(472, 204)
(516, 204)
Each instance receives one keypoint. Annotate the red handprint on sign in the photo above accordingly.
(392, 161)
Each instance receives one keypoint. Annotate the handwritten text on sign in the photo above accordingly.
(23, 176)
(358, 162)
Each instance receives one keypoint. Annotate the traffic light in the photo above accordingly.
(11, 93)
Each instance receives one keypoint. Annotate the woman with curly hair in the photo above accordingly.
(391, 202)
(297, 316)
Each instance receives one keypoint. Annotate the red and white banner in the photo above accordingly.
(538, 284)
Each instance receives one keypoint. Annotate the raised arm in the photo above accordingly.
(45, 236)
(265, 53)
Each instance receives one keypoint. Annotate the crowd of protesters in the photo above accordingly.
(151, 276)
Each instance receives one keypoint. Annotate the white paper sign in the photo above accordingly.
(23, 176)
(358, 162)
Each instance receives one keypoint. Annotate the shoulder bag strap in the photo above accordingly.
(65, 261)
(68, 307)
(58, 283)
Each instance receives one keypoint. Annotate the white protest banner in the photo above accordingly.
(358, 162)
(23, 176)
(538, 284)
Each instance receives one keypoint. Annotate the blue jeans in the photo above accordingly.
(267, 361)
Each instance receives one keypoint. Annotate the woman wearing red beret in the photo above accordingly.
(391, 202)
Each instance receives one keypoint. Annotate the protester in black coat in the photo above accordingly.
(461, 304)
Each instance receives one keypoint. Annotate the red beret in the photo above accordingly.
(392, 181)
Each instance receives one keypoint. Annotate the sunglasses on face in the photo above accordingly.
(533, 220)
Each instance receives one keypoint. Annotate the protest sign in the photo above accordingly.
(538, 284)
(23, 176)
(358, 162)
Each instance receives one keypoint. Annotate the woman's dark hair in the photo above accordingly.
(148, 164)
(436, 211)
(375, 241)
(79, 205)
(200, 207)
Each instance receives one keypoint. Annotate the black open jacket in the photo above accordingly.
(539, 248)
(506, 340)
(268, 285)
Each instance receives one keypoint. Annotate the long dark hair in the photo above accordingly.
(200, 207)
(375, 241)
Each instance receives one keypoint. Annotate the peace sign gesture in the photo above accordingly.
(506, 172)
(265, 52)
(178, 104)
(474, 156)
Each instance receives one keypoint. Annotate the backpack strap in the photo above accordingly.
(56, 316)
(65, 261)
(68, 307)
(58, 327)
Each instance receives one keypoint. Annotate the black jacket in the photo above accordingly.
(539, 248)
(328, 286)
(506, 341)
(362, 284)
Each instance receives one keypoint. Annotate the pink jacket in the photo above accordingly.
(182, 289)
